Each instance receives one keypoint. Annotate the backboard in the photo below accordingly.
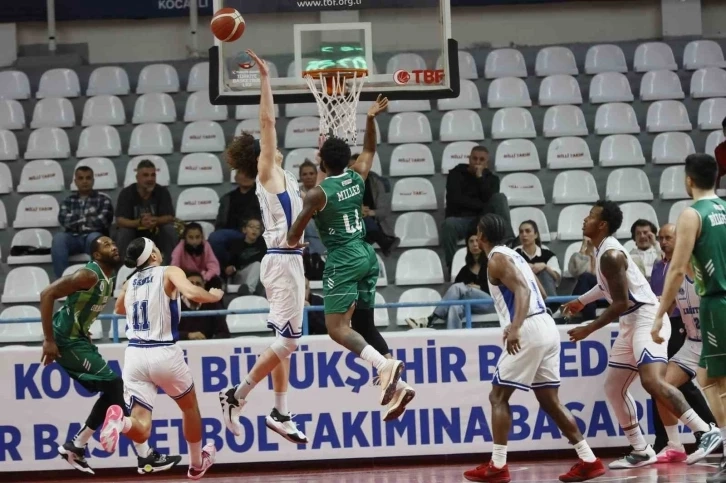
(405, 46)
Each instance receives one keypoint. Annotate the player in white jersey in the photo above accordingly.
(634, 352)
(531, 359)
(281, 273)
(150, 300)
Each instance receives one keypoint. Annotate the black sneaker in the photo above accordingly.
(156, 462)
(76, 457)
(285, 427)
(720, 475)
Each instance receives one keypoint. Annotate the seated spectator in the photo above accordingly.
(471, 283)
(309, 179)
(472, 190)
(145, 209)
(646, 251)
(316, 319)
(245, 258)
(720, 154)
(582, 268)
(204, 327)
(83, 217)
(194, 254)
(543, 261)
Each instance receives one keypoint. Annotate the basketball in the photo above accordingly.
(227, 24)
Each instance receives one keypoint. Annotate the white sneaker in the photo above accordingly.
(209, 454)
(635, 459)
(285, 427)
(389, 376)
(401, 398)
(112, 427)
(419, 323)
(710, 440)
(231, 410)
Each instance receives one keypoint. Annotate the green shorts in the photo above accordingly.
(350, 276)
(81, 360)
(712, 316)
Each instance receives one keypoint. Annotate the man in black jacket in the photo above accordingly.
(471, 191)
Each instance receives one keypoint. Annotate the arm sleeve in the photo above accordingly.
(221, 221)
(166, 207)
(488, 187)
(578, 264)
(212, 266)
(176, 255)
(65, 215)
(455, 198)
(592, 295)
(106, 216)
(463, 276)
(554, 264)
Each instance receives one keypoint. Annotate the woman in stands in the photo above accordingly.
(543, 261)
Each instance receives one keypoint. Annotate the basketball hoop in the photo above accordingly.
(337, 102)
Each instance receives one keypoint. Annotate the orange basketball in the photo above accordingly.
(227, 25)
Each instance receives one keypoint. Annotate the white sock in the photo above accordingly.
(636, 439)
(371, 355)
(244, 388)
(401, 384)
(694, 421)
(83, 436)
(723, 438)
(673, 435)
(127, 425)
(195, 454)
(281, 403)
(499, 455)
(584, 452)
(143, 450)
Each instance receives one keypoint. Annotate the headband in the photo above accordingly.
(257, 148)
(148, 248)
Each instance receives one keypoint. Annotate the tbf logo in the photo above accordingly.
(402, 77)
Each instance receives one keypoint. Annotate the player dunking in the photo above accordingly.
(67, 341)
(634, 352)
(281, 273)
(701, 238)
(150, 300)
(531, 359)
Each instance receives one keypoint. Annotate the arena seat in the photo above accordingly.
(296, 157)
(360, 123)
(12, 116)
(302, 132)
(521, 214)
(419, 266)
(505, 63)
(162, 170)
(455, 154)
(634, 211)
(37, 238)
(207, 228)
(250, 126)
(197, 204)
(418, 105)
(48, 142)
(300, 109)
(6, 180)
(673, 183)
(24, 331)
(3, 216)
(654, 56)
(467, 65)
(203, 136)
(408, 127)
(677, 208)
(416, 229)
(411, 160)
(628, 184)
(246, 323)
(657, 85)
(158, 78)
(252, 111)
(559, 89)
(36, 211)
(711, 113)
(380, 316)
(702, 53)
(616, 118)
(8, 146)
(458, 262)
(198, 169)
(154, 107)
(405, 61)
(522, 189)
(121, 276)
(513, 122)
(382, 275)
(41, 176)
(420, 294)
(672, 148)
(555, 61)
(605, 58)
(708, 82)
(108, 81)
(199, 108)
(14, 85)
(198, 77)
(99, 141)
(103, 110)
(516, 155)
(572, 248)
(58, 83)
(468, 98)
(667, 116)
(23, 285)
(574, 186)
(151, 138)
(713, 140)
(569, 153)
(53, 112)
(508, 92)
(104, 173)
(461, 125)
(569, 223)
(620, 150)
(610, 87)
(560, 121)
(413, 194)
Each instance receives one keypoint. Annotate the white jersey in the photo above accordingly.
(688, 303)
(279, 211)
(504, 298)
(152, 317)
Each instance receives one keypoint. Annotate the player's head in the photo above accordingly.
(242, 153)
(334, 156)
(105, 252)
(492, 231)
(667, 239)
(83, 179)
(604, 219)
(701, 173)
(142, 253)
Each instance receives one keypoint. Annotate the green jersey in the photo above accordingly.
(340, 222)
(709, 253)
(80, 309)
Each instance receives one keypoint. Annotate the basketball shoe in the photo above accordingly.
(285, 427)
(156, 462)
(720, 475)
(112, 427)
(583, 471)
(389, 376)
(489, 474)
(231, 409)
(672, 454)
(635, 459)
(710, 440)
(76, 457)
(209, 454)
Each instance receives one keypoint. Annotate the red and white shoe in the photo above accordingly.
(209, 454)
(112, 427)
(489, 474)
(583, 471)
(672, 454)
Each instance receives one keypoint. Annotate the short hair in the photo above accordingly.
(193, 273)
(248, 220)
(703, 170)
(642, 222)
(84, 169)
(494, 228)
(96, 244)
(335, 153)
(306, 164)
(610, 214)
(192, 226)
(144, 164)
(241, 154)
(535, 227)
(480, 148)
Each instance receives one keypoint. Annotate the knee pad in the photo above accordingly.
(284, 346)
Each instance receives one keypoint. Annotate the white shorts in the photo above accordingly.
(148, 368)
(537, 364)
(283, 276)
(634, 345)
(688, 356)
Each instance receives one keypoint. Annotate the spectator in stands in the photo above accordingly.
(582, 268)
(194, 254)
(84, 216)
(646, 251)
(316, 319)
(204, 327)
(245, 258)
(720, 155)
(471, 283)
(235, 208)
(313, 255)
(543, 261)
(145, 209)
(471, 191)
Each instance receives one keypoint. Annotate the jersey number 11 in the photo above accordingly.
(140, 317)
(358, 226)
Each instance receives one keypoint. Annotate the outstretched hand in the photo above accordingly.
(261, 64)
(379, 106)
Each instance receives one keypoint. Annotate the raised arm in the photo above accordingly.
(266, 165)
(315, 200)
(178, 278)
(365, 160)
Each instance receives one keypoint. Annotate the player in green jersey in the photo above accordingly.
(351, 268)
(701, 240)
(67, 341)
